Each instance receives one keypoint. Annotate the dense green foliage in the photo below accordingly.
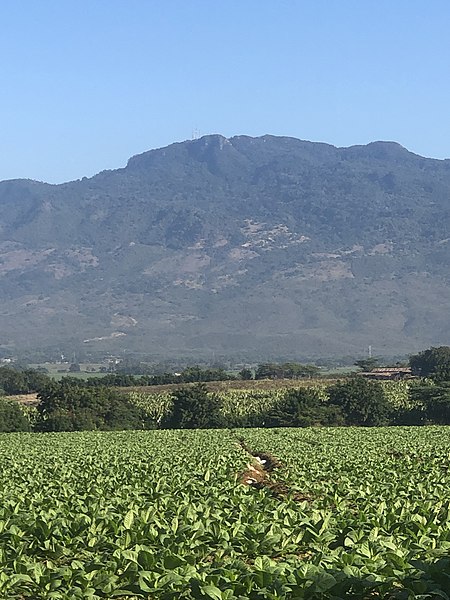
(194, 408)
(12, 418)
(17, 381)
(197, 374)
(367, 364)
(161, 515)
(65, 407)
(355, 401)
(304, 407)
(123, 379)
(433, 362)
(362, 402)
(72, 405)
(435, 400)
(246, 374)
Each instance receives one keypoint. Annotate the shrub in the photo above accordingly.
(304, 407)
(434, 362)
(194, 408)
(362, 402)
(64, 407)
(12, 417)
(13, 381)
(435, 401)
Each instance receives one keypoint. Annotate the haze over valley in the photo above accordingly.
(250, 248)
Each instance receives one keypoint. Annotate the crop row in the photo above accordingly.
(163, 514)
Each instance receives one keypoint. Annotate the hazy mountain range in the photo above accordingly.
(245, 247)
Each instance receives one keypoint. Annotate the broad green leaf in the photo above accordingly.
(129, 519)
(212, 592)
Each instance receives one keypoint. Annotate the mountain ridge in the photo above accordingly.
(387, 143)
(250, 247)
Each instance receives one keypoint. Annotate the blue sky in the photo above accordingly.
(86, 84)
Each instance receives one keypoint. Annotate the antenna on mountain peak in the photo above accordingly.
(195, 134)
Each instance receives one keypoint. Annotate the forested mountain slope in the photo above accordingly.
(246, 247)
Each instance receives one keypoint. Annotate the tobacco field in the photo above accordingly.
(362, 513)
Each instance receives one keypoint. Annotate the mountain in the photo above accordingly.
(246, 247)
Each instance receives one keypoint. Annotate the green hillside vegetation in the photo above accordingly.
(198, 248)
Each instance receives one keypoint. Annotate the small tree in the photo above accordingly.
(305, 408)
(435, 400)
(268, 371)
(68, 407)
(363, 402)
(367, 364)
(11, 417)
(434, 362)
(245, 374)
(285, 371)
(14, 381)
(194, 408)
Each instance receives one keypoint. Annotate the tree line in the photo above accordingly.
(355, 401)
(25, 381)
(73, 404)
